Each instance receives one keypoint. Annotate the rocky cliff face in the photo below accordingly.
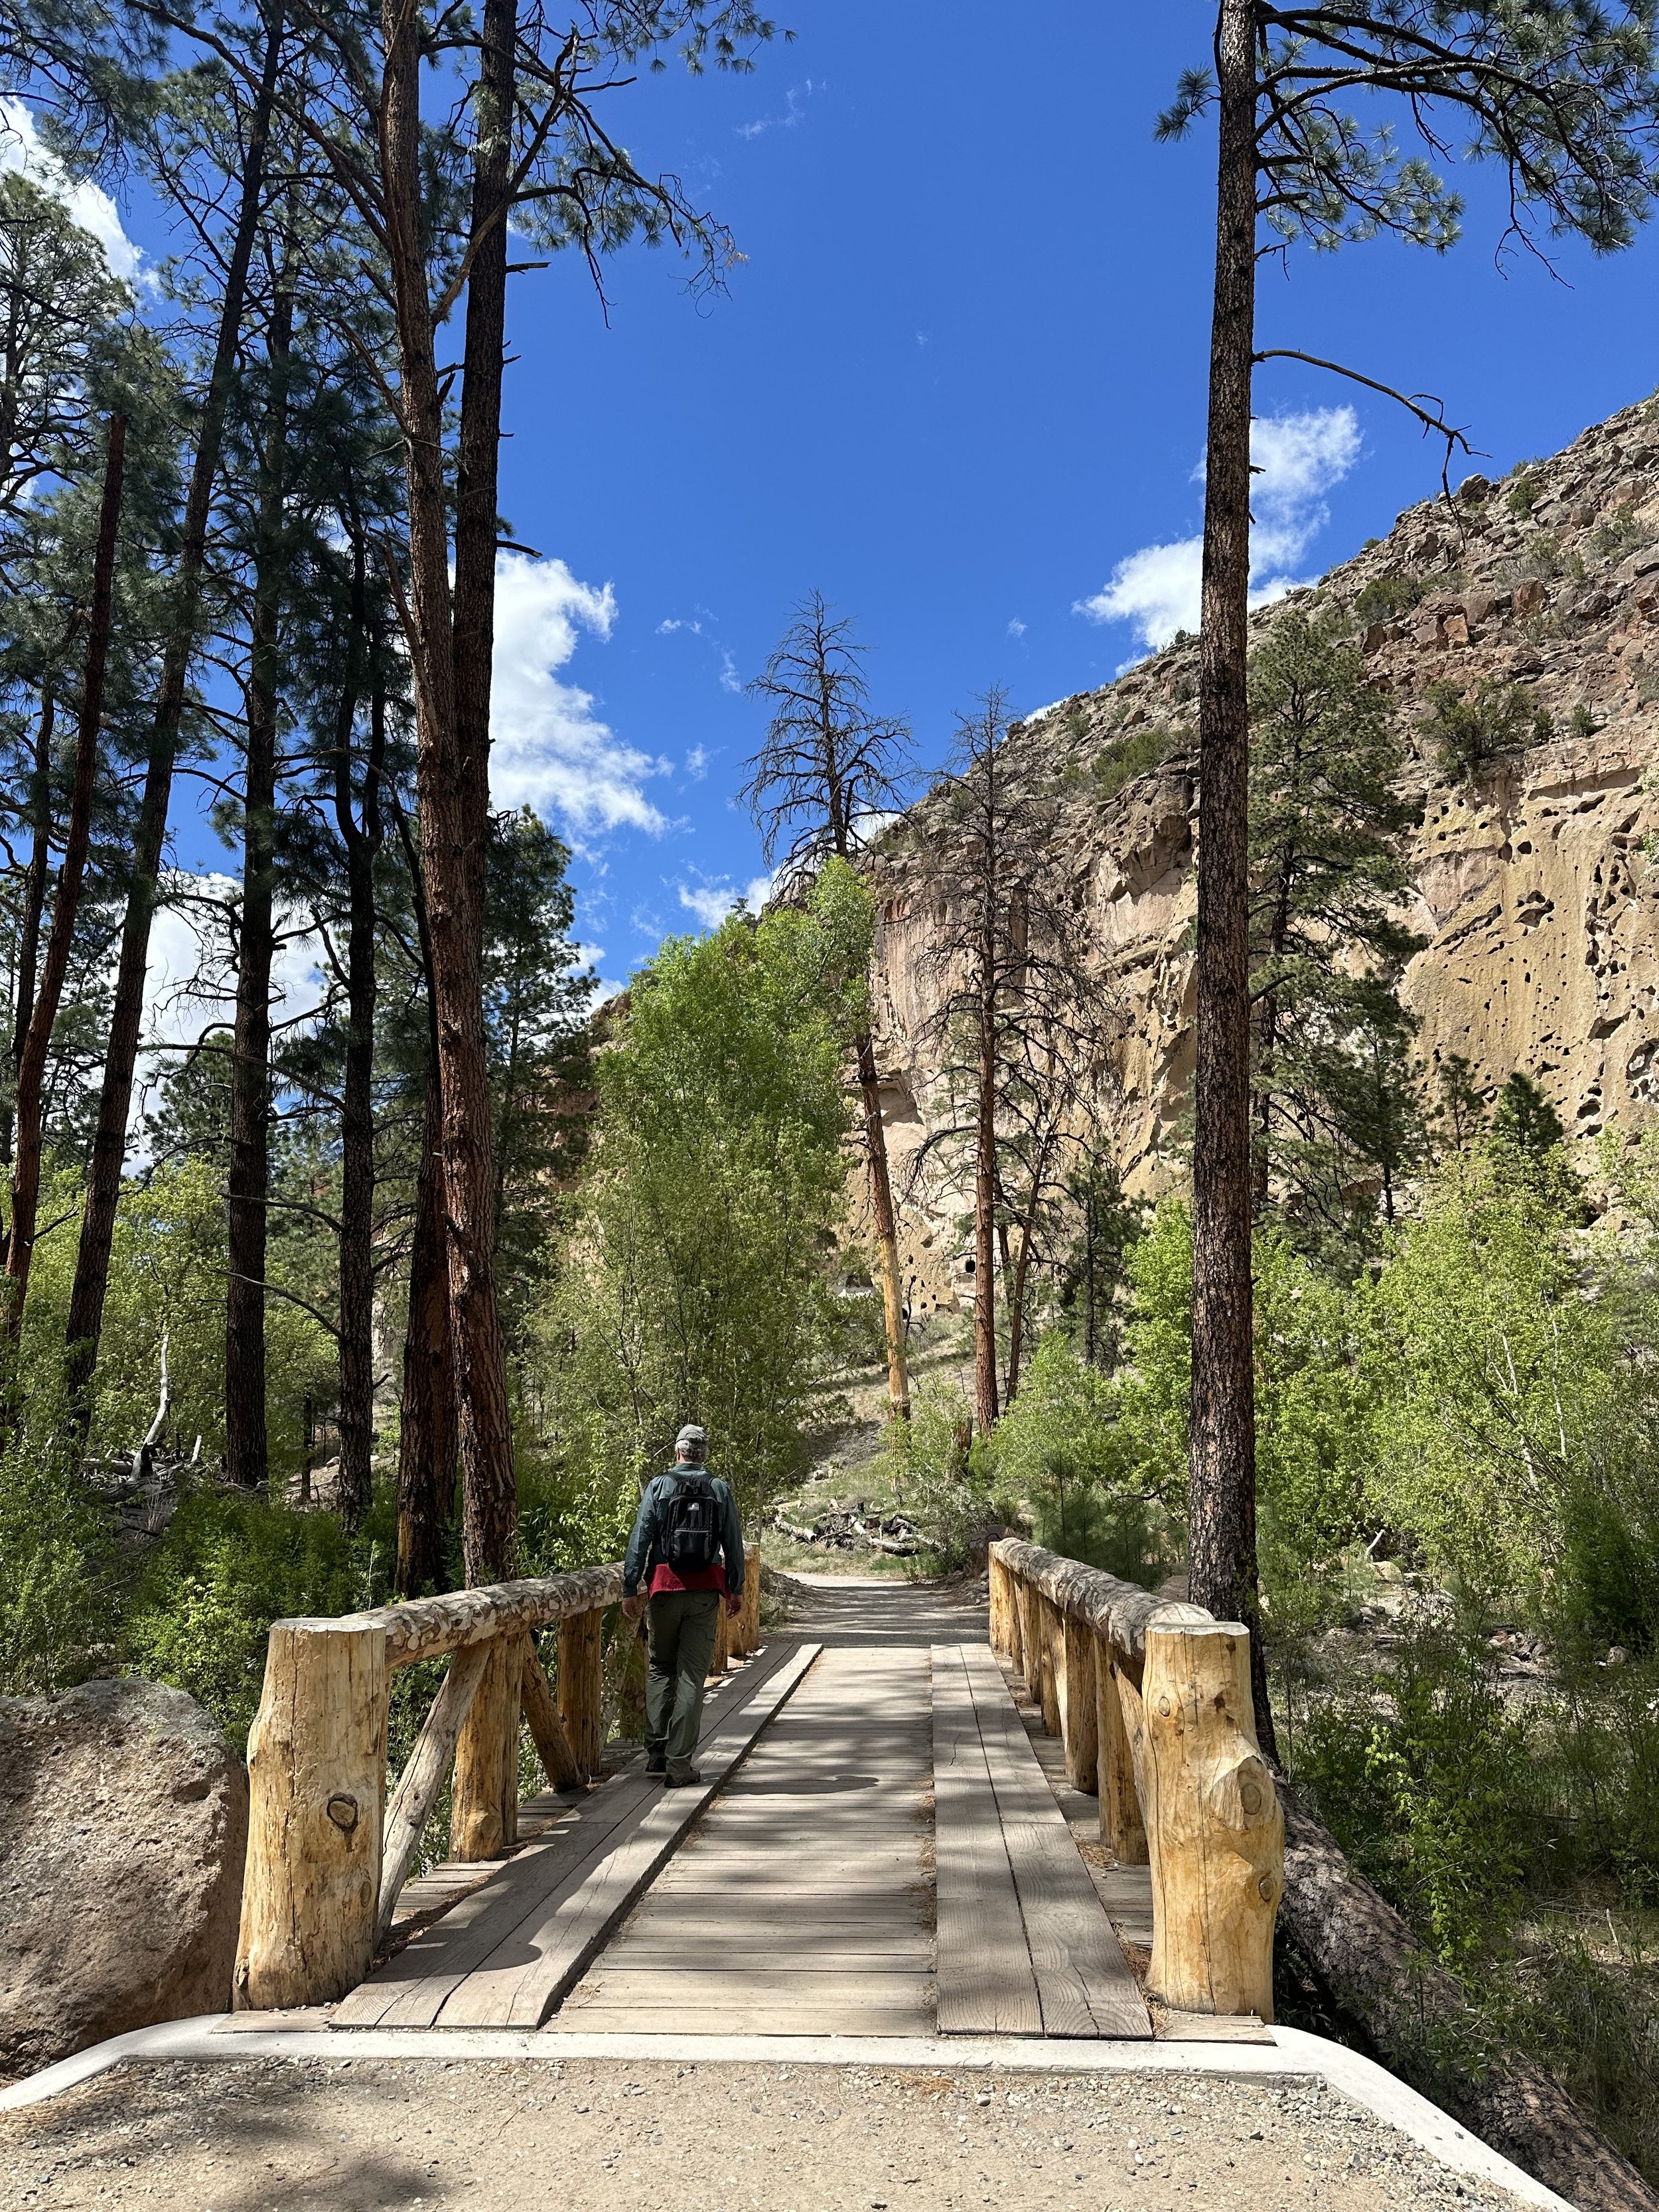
(1536, 876)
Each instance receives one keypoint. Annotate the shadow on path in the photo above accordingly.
(852, 1609)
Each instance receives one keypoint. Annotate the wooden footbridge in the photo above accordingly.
(910, 1821)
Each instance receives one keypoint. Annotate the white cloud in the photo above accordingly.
(22, 151)
(712, 903)
(1016, 628)
(696, 763)
(1300, 458)
(730, 679)
(549, 749)
(666, 629)
(794, 113)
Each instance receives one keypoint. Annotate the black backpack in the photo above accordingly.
(691, 1526)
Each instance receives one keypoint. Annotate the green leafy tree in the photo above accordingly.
(699, 1286)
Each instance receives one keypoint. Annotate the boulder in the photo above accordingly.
(123, 1829)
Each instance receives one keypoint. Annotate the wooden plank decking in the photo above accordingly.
(799, 1905)
(1025, 1947)
(506, 1954)
(790, 1893)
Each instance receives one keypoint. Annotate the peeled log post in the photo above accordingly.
(317, 1782)
(582, 1688)
(541, 1713)
(1122, 1830)
(721, 1657)
(1030, 1639)
(745, 1632)
(1012, 1614)
(1052, 1662)
(1078, 1706)
(484, 1816)
(996, 1577)
(422, 1779)
(1216, 1832)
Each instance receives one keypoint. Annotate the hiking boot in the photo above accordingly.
(684, 1781)
(655, 1769)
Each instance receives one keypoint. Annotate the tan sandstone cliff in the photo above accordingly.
(1534, 887)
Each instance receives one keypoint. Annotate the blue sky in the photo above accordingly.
(957, 382)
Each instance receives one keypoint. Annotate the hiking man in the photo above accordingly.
(687, 1538)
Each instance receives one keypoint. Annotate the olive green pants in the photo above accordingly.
(682, 1625)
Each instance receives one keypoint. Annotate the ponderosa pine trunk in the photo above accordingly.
(356, 1238)
(452, 642)
(247, 1457)
(455, 828)
(34, 905)
(77, 839)
(1221, 1515)
(886, 1220)
(85, 1313)
(427, 1439)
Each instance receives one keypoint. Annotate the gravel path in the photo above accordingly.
(324, 2135)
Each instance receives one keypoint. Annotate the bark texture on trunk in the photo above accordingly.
(247, 1459)
(1222, 1508)
(36, 1043)
(426, 1440)
(85, 1313)
(886, 1220)
(34, 904)
(1372, 1965)
(455, 824)
(356, 1238)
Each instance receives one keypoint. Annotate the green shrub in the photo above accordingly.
(1469, 734)
(227, 1567)
(1525, 493)
(1059, 1447)
(945, 1476)
(1120, 763)
(1385, 598)
(56, 1571)
(1419, 1772)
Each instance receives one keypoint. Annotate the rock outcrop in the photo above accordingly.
(1534, 886)
(123, 1829)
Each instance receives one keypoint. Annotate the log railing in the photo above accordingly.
(326, 1855)
(1154, 1704)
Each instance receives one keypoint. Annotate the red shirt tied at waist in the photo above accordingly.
(726, 1575)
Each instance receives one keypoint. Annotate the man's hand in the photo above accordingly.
(633, 1607)
(734, 1605)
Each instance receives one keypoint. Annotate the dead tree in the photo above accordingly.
(1021, 1032)
(828, 771)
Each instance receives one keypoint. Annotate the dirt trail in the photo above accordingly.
(322, 2135)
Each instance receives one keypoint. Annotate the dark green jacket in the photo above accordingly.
(645, 1562)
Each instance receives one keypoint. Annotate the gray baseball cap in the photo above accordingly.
(693, 1441)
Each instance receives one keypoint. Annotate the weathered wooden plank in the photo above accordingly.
(987, 1984)
(727, 2019)
(411, 1989)
(1083, 1983)
(520, 1984)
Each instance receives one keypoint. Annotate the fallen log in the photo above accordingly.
(1376, 1971)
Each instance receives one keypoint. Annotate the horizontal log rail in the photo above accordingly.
(1153, 1703)
(327, 1855)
